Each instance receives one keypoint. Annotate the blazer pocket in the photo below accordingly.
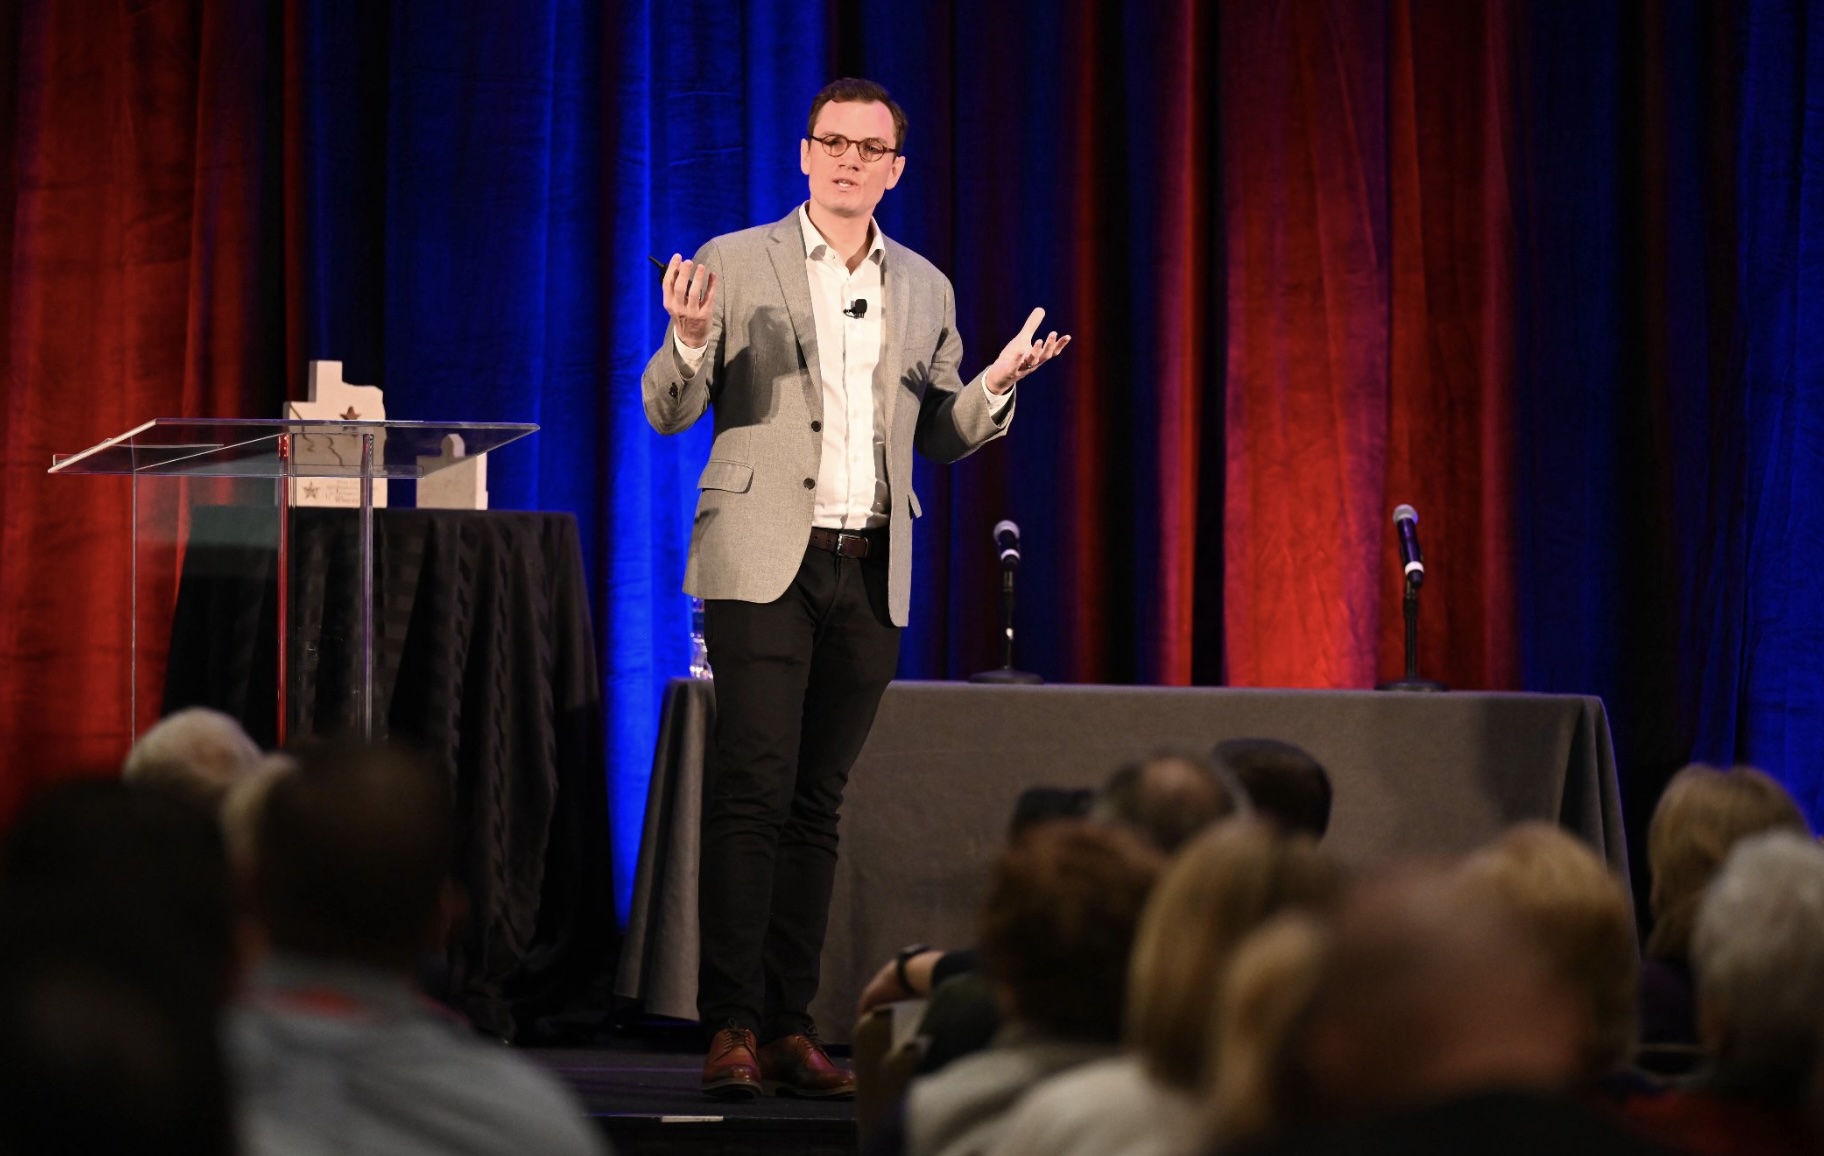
(918, 511)
(720, 475)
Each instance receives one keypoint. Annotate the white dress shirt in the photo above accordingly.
(852, 491)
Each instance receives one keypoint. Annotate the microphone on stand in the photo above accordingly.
(1406, 522)
(1007, 543)
(1412, 566)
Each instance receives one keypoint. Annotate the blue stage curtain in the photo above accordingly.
(705, 108)
(1761, 544)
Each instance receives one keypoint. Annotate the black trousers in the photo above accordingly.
(798, 681)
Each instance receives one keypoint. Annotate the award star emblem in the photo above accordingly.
(351, 415)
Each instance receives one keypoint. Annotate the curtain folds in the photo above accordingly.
(1549, 273)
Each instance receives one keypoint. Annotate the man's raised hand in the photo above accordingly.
(1023, 354)
(690, 297)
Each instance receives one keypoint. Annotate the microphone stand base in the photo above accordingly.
(1418, 684)
(1006, 676)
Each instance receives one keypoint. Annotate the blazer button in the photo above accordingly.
(810, 483)
(816, 427)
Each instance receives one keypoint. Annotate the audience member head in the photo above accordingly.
(240, 812)
(1757, 953)
(1283, 781)
(1254, 1089)
(1434, 989)
(107, 1042)
(353, 854)
(1580, 915)
(196, 752)
(1702, 814)
(1218, 888)
(134, 858)
(1167, 798)
(1058, 926)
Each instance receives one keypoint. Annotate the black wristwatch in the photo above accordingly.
(899, 965)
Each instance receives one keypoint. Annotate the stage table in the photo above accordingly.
(930, 797)
(485, 660)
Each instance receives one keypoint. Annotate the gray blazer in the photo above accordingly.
(760, 375)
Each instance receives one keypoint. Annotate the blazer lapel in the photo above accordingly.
(898, 291)
(787, 252)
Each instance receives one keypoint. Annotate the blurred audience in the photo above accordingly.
(148, 863)
(196, 752)
(1283, 782)
(1757, 951)
(114, 956)
(1580, 916)
(1217, 890)
(334, 1049)
(1701, 815)
(1435, 1021)
(108, 1035)
(1165, 799)
(1056, 933)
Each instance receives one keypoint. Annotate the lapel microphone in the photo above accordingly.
(858, 309)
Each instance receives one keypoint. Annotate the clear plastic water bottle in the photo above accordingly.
(699, 650)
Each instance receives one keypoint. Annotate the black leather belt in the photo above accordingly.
(844, 543)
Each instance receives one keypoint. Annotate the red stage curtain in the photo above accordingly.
(1304, 176)
(1449, 445)
(135, 242)
(1370, 249)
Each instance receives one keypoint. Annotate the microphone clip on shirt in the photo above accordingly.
(858, 309)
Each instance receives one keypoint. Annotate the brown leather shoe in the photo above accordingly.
(731, 1071)
(797, 1065)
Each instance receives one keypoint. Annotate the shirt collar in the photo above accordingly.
(814, 243)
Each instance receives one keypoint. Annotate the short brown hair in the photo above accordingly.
(854, 90)
(1059, 921)
(1579, 914)
(1702, 814)
(351, 853)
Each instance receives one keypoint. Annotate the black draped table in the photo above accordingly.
(929, 800)
(485, 659)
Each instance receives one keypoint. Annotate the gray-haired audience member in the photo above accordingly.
(1283, 782)
(196, 752)
(1757, 952)
(334, 1048)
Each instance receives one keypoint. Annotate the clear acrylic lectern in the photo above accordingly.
(225, 489)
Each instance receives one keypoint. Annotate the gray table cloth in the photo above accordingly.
(930, 797)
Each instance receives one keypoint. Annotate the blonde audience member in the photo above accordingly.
(1702, 814)
(196, 752)
(1264, 1004)
(1217, 890)
(1580, 915)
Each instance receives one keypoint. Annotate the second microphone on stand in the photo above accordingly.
(1007, 542)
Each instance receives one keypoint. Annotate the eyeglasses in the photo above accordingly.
(871, 150)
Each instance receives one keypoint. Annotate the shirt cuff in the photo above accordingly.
(998, 403)
(692, 357)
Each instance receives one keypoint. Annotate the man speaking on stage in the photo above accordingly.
(827, 352)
